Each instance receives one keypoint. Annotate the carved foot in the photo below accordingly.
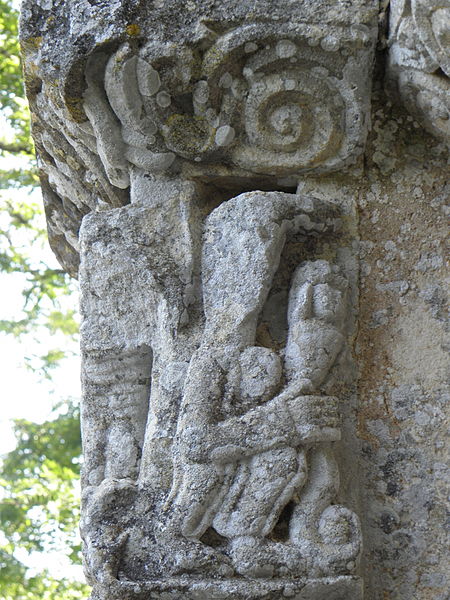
(338, 547)
(259, 557)
(104, 528)
(186, 556)
(341, 535)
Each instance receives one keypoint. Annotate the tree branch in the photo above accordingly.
(15, 148)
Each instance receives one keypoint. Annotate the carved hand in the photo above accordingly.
(282, 422)
(316, 418)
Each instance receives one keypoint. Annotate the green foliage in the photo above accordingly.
(38, 480)
(39, 506)
(13, 105)
(18, 178)
(39, 497)
(41, 587)
(45, 289)
(22, 224)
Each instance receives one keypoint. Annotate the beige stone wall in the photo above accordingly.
(396, 222)
(402, 353)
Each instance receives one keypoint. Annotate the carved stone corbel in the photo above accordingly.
(216, 310)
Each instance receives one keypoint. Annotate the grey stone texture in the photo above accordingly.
(257, 194)
(165, 85)
(419, 63)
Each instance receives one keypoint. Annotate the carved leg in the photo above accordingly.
(261, 488)
(198, 491)
(328, 535)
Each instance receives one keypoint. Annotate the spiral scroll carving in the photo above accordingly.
(419, 62)
(292, 111)
(260, 103)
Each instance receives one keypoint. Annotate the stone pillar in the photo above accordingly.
(207, 172)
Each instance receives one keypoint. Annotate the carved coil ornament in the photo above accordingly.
(273, 99)
(262, 104)
(419, 64)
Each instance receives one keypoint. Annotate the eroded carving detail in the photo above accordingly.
(262, 103)
(230, 98)
(419, 61)
(210, 467)
(244, 431)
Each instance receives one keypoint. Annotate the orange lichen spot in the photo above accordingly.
(133, 30)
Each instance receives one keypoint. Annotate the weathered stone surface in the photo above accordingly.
(262, 299)
(419, 61)
(402, 351)
(225, 415)
(336, 588)
(270, 91)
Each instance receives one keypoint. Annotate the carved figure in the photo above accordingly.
(197, 437)
(329, 536)
(233, 299)
(241, 490)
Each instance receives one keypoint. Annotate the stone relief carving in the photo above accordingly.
(239, 96)
(236, 432)
(266, 103)
(209, 443)
(419, 61)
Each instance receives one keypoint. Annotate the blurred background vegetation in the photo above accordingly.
(39, 495)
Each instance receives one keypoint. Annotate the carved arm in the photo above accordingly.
(283, 421)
